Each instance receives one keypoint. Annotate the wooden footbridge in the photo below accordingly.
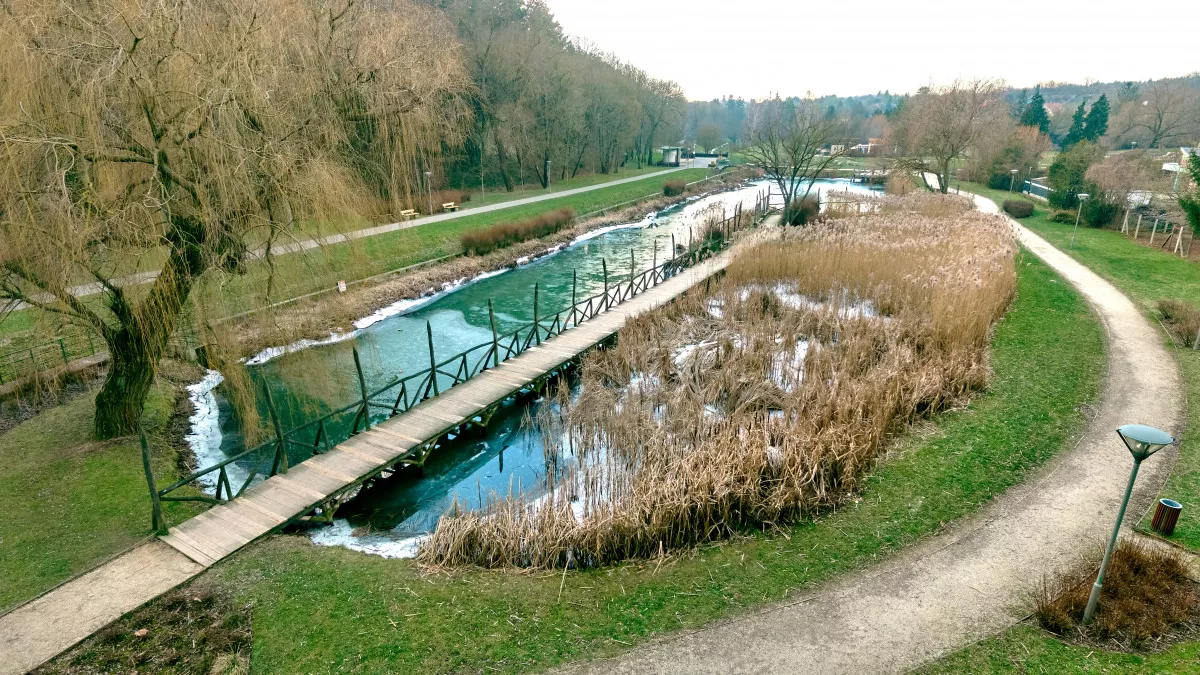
(397, 425)
(413, 414)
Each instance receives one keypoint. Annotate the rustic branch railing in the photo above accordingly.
(401, 394)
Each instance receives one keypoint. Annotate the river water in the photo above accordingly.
(308, 382)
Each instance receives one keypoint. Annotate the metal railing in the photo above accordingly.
(27, 361)
(403, 393)
(1036, 189)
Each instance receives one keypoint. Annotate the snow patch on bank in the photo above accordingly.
(272, 352)
(408, 304)
(205, 437)
(340, 533)
(647, 221)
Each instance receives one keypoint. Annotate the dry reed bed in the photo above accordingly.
(761, 399)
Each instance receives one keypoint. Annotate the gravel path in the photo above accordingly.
(975, 579)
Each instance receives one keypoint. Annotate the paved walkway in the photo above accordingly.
(52, 623)
(972, 581)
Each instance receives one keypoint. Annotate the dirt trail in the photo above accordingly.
(974, 580)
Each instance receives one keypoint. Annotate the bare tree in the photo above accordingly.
(940, 124)
(184, 132)
(793, 142)
(1163, 110)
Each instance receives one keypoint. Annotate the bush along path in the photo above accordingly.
(974, 580)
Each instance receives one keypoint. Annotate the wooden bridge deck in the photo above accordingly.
(218, 532)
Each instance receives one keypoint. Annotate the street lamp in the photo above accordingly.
(1012, 181)
(1142, 442)
(1081, 196)
(429, 190)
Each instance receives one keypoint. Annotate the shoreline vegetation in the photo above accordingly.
(1047, 357)
(317, 317)
(763, 399)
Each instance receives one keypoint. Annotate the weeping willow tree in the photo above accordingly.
(171, 136)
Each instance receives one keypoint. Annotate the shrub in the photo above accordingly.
(802, 211)
(674, 188)
(1018, 208)
(1061, 216)
(501, 235)
(1098, 212)
(1147, 591)
(1182, 320)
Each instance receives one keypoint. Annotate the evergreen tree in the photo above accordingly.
(1190, 201)
(1076, 132)
(1035, 113)
(1020, 104)
(1096, 124)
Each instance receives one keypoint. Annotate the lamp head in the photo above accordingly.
(1082, 196)
(1013, 171)
(1143, 440)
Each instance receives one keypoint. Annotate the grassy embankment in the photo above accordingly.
(297, 274)
(1146, 275)
(1048, 357)
(68, 501)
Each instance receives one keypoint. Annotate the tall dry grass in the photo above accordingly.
(761, 401)
(498, 236)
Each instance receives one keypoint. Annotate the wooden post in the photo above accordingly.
(1153, 231)
(432, 360)
(654, 260)
(1179, 241)
(280, 464)
(537, 335)
(156, 515)
(364, 412)
(1125, 223)
(495, 337)
(632, 270)
(673, 252)
(604, 267)
(1138, 229)
(574, 309)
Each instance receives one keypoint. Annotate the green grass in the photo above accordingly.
(496, 195)
(69, 502)
(325, 609)
(1146, 275)
(1030, 651)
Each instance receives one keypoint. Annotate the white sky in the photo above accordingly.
(752, 48)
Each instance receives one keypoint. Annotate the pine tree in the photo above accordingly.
(1076, 132)
(1096, 124)
(1035, 113)
(1020, 104)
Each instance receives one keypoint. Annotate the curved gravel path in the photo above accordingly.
(974, 580)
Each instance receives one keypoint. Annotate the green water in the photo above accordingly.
(310, 382)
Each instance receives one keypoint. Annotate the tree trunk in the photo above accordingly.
(130, 375)
(502, 159)
(136, 345)
(944, 179)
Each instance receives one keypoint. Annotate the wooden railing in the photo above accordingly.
(403, 393)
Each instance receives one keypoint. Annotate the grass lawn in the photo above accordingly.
(532, 189)
(1028, 650)
(297, 274)
(1048, 358)
(68, 501)
(1146, 275)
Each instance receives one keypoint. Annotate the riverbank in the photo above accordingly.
(317, 317)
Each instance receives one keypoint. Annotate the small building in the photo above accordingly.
(671, 154)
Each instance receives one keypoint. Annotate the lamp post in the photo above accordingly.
(1142, 442)
(429, 190)
(1081, 196)
(1013, 181)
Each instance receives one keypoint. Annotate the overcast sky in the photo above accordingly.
(752, 48)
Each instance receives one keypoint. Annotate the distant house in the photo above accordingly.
(1184, 157)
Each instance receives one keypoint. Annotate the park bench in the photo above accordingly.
(408, 213)
(449, 206)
